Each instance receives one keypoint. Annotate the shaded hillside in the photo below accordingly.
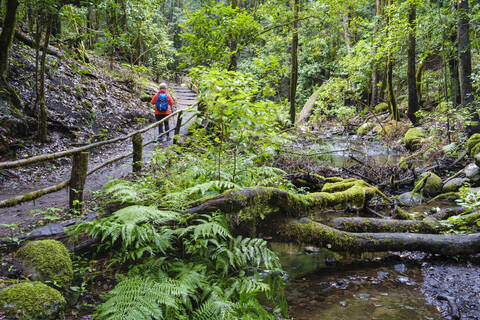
(85, 102)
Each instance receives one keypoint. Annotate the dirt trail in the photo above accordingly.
(20, 218)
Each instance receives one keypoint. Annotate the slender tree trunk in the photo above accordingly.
(374, 92)
(294, 61)
(412, 86)
(56, 24)
(465, 59)
(7, 93)
(42, 114)
(233, 45)
(346, 29)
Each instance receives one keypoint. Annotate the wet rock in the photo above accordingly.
(454, 184)
(330, 261)
(341, 284)
(343, 303)
(407, 199)
(312, 250)
(400, 268)
(472, 172)
(403, 279)
(31, 300)
(362, 296)
(413, 138)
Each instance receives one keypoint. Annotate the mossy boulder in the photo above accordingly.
(473, 144)
(454, 184)
(413, 138)
(432, 184)
(47, 260)
(381, 107)
(472, 172)
(365, 128)
(30, 300)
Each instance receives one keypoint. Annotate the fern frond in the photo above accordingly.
(136, 298)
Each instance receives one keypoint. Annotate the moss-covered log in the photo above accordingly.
(307, 231)
(343, 193)
(428, 225)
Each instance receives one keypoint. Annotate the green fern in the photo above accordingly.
(139, 298)
(201, 190)
(135, 228)
(121, 190)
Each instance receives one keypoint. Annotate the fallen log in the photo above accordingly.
(306, 231)
(308, 107)
(356, 224)
(343, 193)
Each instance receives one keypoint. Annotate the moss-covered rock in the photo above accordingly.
(410, 199)
(430, 183)
(381, 107)
(365, 128)
(413, 138)
(47, 260)
(472, 172)
(473, 144)
(31, 300)
(454, 184)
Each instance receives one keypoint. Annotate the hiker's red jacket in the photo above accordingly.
(170, 102)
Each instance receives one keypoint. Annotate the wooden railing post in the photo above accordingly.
(137, 142)
(177, 127)
(77, 179)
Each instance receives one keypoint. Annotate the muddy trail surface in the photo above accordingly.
(24, 217)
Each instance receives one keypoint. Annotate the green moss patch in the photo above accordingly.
(31, 300)
(413, 138)
(473, 144)
(47, 260)
(381, 107)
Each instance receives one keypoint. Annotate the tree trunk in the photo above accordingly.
(392, 102)
(412, 86)
(233, 45)
(453, 65)
(42, 112)
(294, 62)
(7, 93)
(465, 59)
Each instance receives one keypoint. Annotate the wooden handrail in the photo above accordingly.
(41, 192)
(56, 155)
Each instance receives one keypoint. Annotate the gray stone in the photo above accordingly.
(454, 184)
(477, 159)
(400, 268)
(472, 172)
(407, 199)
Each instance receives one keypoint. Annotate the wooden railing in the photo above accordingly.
(80, 157)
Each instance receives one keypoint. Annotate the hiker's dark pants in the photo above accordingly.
(159, 117)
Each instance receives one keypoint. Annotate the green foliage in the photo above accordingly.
(203, 271)
(331, 101)
(215, 33)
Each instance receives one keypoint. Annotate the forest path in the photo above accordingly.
(19, 219)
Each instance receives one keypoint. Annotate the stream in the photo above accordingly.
(398, 286)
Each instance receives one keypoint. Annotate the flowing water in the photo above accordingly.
(340, 151)
(326, 285)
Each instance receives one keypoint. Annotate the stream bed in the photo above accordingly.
(400, 286)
